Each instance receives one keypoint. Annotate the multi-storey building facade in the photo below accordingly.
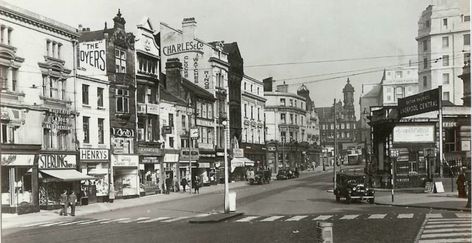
(147, 95)
(253, 127)
(235, 75)
(443, 46)
(286, 126)
(121, 74)
(398, 83)
(206, 66)
(312, 129)
(38, 129)
(93, 119)
(346, 127)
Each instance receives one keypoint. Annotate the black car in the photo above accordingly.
(282, 175)
(353, 187)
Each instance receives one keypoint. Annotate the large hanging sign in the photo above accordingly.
(419, 103)
(413, 134)
(92, 58)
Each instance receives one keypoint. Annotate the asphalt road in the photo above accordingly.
(282, 211)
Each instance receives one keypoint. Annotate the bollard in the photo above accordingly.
(324, 232)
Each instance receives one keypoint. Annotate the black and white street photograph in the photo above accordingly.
(208, 121)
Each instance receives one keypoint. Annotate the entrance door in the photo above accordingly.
(92, 194)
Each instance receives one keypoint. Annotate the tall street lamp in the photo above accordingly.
(226, 133)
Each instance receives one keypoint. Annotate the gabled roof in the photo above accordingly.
(197, 90)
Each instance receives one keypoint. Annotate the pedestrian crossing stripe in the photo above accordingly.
(377, 216)
(297, 218)
(433, 215)
(448, 219)
(272, 218)
(350, 216)
(454, 240)
(73, 222)
(323, 217)
(142, 218)
(51, 224)
(447, 230)
(463, 215)
(450, 222)
(461, 234)
(153, 220)
(247, 219)
(93, 221)
(405, 216)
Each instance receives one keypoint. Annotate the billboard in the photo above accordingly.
(413, 134)
(419, 103)
(92, 58)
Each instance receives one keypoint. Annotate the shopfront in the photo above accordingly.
(171, 157)
(95, 162)
(149, 163)
(19, 186)
(125, 175)
(58, 173)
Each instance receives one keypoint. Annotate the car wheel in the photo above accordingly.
(338, 199)
(371, 200)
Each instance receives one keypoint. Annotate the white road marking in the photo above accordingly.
(377, 216)
(297, 218)
(35, 224)
(271, 218)
(114, 220)
(247, 219)
(74, 222)
(463, 215)
(51, 224)
(447, 226)
(450, 222)
(142, 218)
(176, 219)
(323, 217)
(153, 220)
(449, 219)
(94, 221)
(434, 215)
(462, 234)
(454, 240)
(350, 216)
(405, 216)
(428, 231)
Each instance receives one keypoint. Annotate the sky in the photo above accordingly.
(320, 42)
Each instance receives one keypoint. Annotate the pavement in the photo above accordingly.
(416, 197)
(14, 220)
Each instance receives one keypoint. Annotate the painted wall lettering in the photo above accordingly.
(92, 57)
(53, 161)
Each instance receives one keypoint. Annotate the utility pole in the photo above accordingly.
(226, 133)
(440, 133)
(335, 145)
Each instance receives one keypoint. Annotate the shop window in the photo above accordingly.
(85, 94)
(120, 61)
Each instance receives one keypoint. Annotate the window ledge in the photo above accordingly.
(101, 108)
(86, 106)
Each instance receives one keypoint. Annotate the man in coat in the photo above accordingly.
(64, 203)
(73, 202)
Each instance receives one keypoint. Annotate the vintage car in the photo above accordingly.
(260, 177)
(353, 187)
(282, 175)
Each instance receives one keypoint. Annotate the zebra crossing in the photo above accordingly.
(438, 229)
(342, 217)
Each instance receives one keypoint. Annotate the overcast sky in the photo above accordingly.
(275, 32)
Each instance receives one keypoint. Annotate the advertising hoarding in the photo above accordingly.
(92, 58)
(413, 134)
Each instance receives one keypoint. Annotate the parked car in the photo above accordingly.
(353, 187)
(282, 175)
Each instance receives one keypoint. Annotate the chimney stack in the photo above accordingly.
(188, 28)
(173, 76)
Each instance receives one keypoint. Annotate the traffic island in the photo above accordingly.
(215, 218)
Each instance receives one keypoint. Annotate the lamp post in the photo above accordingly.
(226, 133)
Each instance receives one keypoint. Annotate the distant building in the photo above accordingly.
(312, 128)
(398, 83)
(443, 47)
(346, 127)
(253, 127)
(286, 119)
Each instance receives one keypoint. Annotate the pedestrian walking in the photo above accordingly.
(461, 186)
(168, 184)
(72, 202)
(197, 185)
(64, 204)
(183, 182)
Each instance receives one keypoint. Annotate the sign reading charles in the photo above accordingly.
(419, 103)
(92, 58)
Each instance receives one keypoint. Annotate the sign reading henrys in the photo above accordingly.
(92, 57)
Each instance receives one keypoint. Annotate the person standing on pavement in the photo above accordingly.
(64, 203)
(197, 185)
(183, 182)
(73, 202)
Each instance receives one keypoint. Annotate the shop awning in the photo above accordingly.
(241, 162)
(98, 171)
(67, 175)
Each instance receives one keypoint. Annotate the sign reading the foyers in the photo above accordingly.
(92, 57)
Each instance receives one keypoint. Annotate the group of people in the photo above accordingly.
(66, 201)
(196, 184)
